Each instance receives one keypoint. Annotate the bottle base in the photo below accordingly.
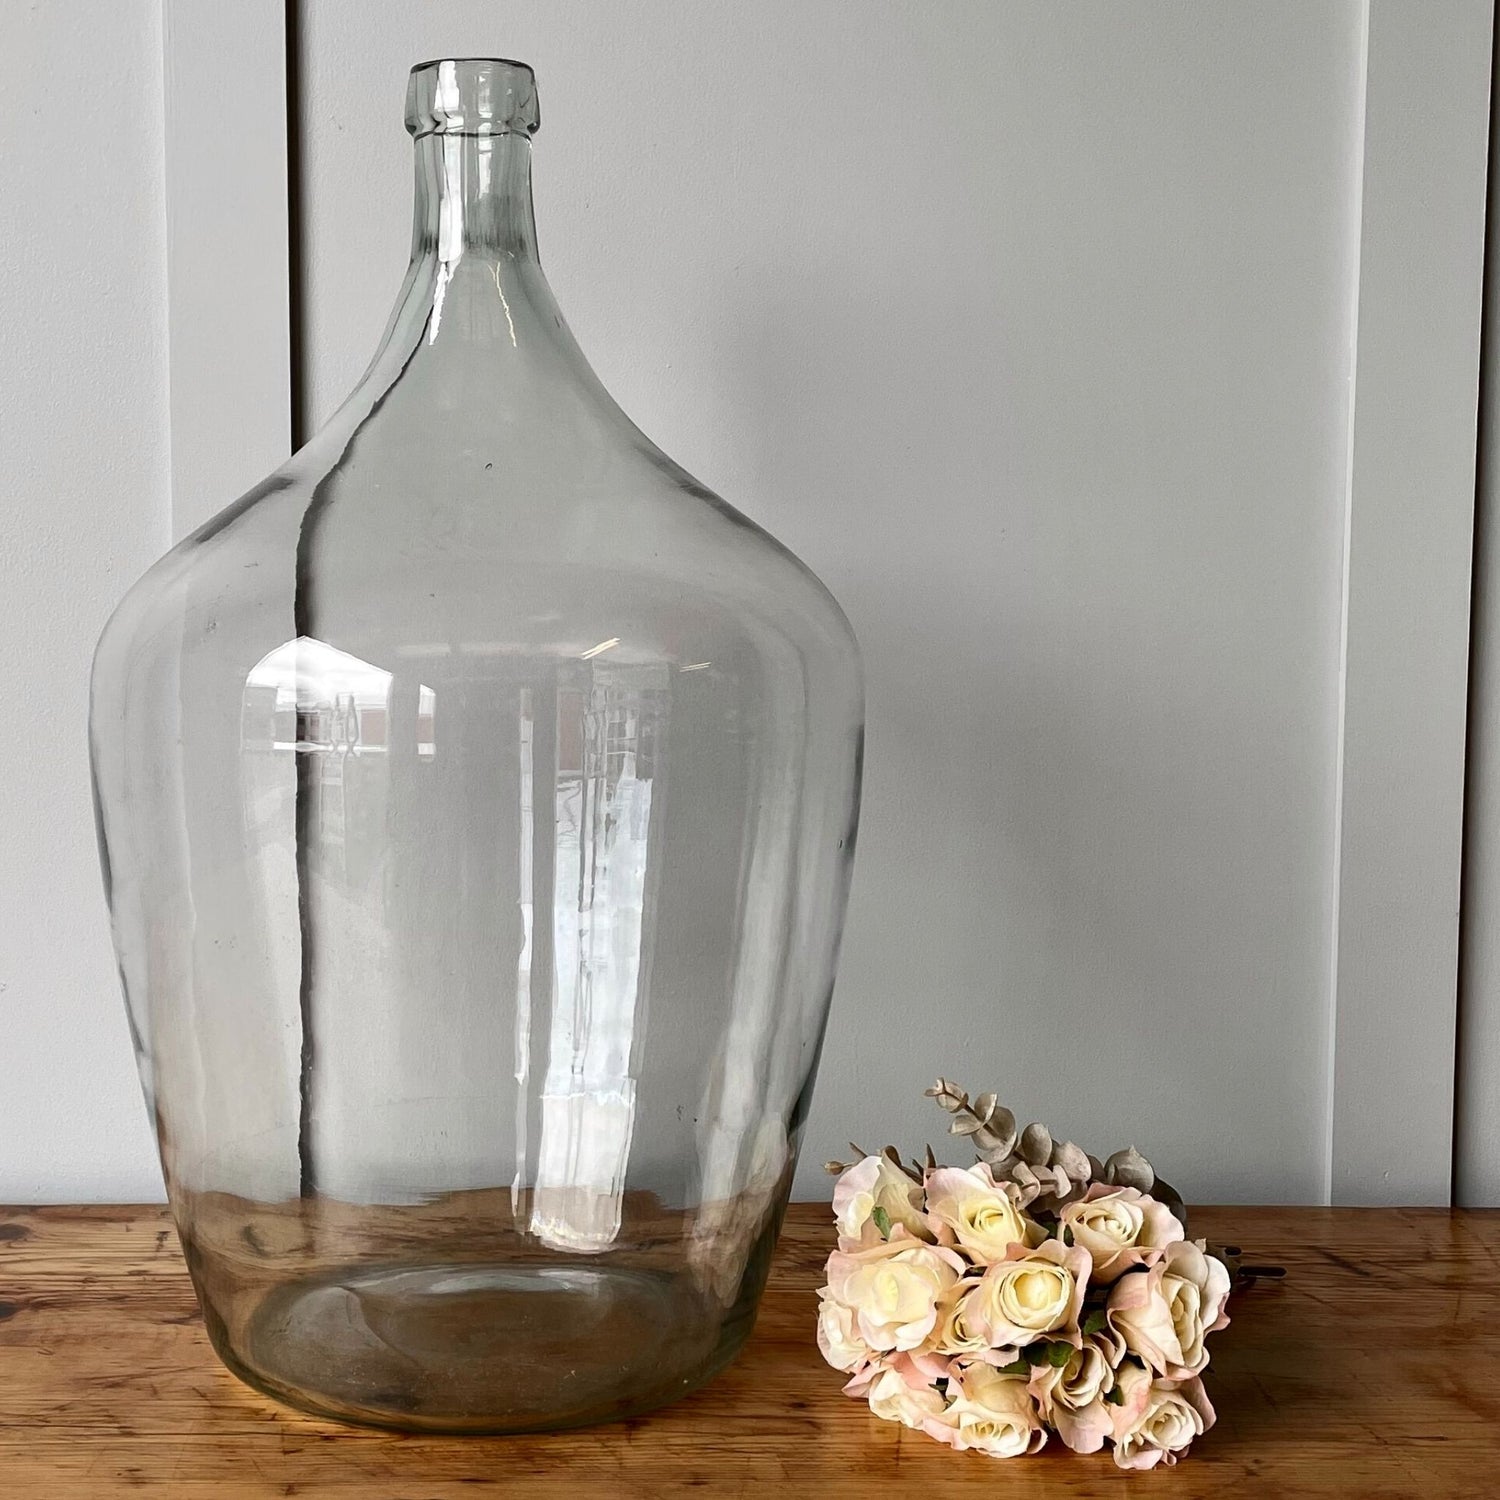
(473, 1348)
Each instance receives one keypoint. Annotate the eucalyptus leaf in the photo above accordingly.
(1128, 1168)
(1036, 1144)
(882, 1222)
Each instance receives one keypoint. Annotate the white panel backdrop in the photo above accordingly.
(83, 455)
(1033, 329)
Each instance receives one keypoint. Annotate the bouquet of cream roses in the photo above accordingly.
(1040, 1290)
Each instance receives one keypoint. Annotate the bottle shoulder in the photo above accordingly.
(397, 548)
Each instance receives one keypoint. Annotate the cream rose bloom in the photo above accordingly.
(896, 1400)
(876, 1182)
(1158, 1418)
(957, 1332)
(892, 1288)
(1164, 1314)
(1071, 1397)
(1032, 1294)
(1120, 1228)
(968, 1207)
(838, 1337)
(990, 1413)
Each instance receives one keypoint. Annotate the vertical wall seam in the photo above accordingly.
(1356, 233)
(229, 279)
(167, 518)
(296, 373)
(1484, 434)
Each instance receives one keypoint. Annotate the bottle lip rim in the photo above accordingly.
(504, 62)
(481, 96)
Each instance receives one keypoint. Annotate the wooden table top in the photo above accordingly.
(1373, 1371)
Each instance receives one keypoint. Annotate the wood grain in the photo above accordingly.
(1374, 1371)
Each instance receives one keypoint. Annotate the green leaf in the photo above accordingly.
(1096, 1321)
(1058, 1354)
(1115, 1397)
(882, 1222)
(1035, 1354)
(1020, 1367)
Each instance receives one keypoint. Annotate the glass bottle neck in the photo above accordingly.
(475, 318)
(473, 197)
(474, 291)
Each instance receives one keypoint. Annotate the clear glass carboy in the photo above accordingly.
(476, 800)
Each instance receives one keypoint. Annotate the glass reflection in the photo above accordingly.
(610, 737)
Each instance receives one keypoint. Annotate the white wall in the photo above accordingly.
(1032, 328)
(83, 440)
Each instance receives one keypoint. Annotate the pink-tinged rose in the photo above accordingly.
(1071, 1396)
(926, 1364)
(1033, 1294)
(958, 1331)
(876, 1182)
(892, 1287)
(918, 1370)
(1109, 1343)
(1120, 1228)
(838, 1335)
(1166, 1313)
(892, 1397)
(1132, 1391)
(967, 1207)
(1159, 1418)
(990, 1413)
